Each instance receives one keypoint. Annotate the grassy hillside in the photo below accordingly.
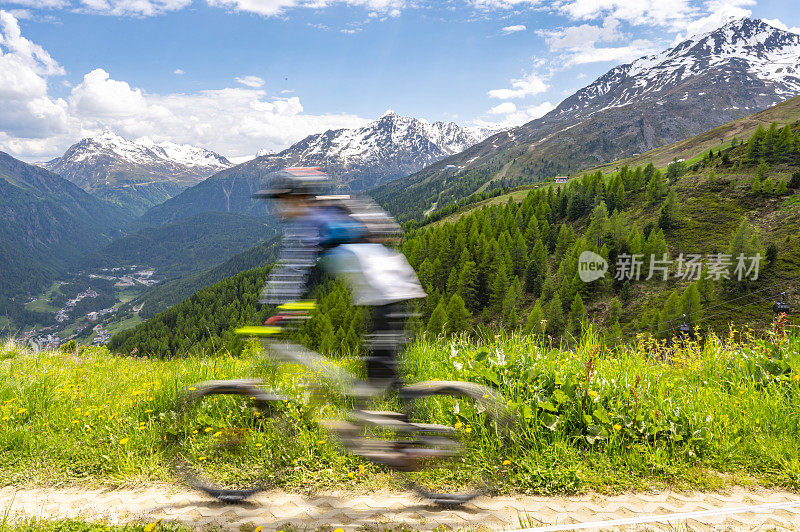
(587, 419)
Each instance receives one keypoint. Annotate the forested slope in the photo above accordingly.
(515, 265)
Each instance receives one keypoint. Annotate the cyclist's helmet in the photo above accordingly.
(294, 182)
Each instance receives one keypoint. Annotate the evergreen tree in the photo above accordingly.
(794, 182)
(768, 186)
(499, 286)
(466, 287)
(670, 211)
(555, 316)
(744, 243)
(690, 303)
(536, 270)
(578, 317)
(614, 310)
(534, 324)
(438, 318)
(457, 319)
(762, 170)
(668, 318)
(781, 189)
(755, 186)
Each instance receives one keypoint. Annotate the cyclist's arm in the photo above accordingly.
(288, 280)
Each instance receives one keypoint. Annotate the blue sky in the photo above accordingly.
(240, 75)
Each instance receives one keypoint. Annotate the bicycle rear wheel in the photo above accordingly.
(222, 437)
(458, 430)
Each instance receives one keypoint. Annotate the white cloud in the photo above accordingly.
(503, 109)
(140, 8)
(515, 28)
(231, 121)
(269, 8)
(179, 72)
(27, 109)
(529, 85)
(719, 13)
(780, 25)
(42, 4)
(515, 117)
(500, 4)
(667, 13)
(618, 54)
(574, 37)
(250, 81)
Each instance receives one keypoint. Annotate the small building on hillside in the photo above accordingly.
(562, 179)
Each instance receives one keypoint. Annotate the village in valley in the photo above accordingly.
(89, 306)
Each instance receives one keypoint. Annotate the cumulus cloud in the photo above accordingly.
(574, 37)
(141, 8)
(503, 109)
(231, 121)
(515, 28)
(179, 72)
(27, 109)
(529, 85)
(780, 25)
(515, 116)
(672, 14)
(250, 81)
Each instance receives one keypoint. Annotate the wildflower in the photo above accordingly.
(152, 526)
(123, 441)
(194, 432)
(192, 388)
(259, 528)
(147, 411)
(361, 469)
(506, 462)
(458, 425)
(351, 474)
(22, 410)
(258, 445)
(209, 429)
(617, 426)
(468, 430)
(339, 530)
(593, 394)
(201, 458)
(796, 377)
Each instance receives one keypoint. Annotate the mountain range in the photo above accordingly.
(357, 159)
(135, 174)
(702, 82)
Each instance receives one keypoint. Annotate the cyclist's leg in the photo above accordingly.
(384, 341)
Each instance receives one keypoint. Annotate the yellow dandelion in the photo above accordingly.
(361, 469)
(458, 425)
(486, 396)
(22, 410)
(147, 411)
(123, 441)
(351, 474)
(194, 432)
(258, 445)
(617, 426)
(5, 418)
(796, 377)
(209, 429)
(201, 458)
(506, 462)
(468, 430)
(339, 530)
(259, 528)
(192, 388)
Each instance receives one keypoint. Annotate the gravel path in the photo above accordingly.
(735, 509)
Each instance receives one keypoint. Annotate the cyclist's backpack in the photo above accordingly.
(375, 223)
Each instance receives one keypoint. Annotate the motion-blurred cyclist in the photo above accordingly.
(345, 237)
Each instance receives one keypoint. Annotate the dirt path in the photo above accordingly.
(736, 509)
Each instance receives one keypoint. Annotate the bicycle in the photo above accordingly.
(410, 442)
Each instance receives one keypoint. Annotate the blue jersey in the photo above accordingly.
(304, 238)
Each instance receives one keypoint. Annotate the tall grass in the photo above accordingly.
(706, 414)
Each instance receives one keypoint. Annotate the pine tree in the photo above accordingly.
(438, 319)
(794, 182)
(670, 211)
(762, 170)
(768, 186)
(536, 270)
(578, 316)
(466, 286)
(499, 286)
(667, 319)
(614, 310)
(457, 315)
(781, 189)
(755, 186)
(555, 316)
(690, 302)
(534, 323)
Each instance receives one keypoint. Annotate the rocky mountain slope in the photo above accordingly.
(136, 174)
(388, 148)
(704, 81)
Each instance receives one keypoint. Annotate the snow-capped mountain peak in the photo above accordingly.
(390, 146)
(112, 167)
(744, 47)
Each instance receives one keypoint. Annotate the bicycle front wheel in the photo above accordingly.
(459, 430)
(224, 438)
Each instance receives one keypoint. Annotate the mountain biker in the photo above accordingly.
(344, 239)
